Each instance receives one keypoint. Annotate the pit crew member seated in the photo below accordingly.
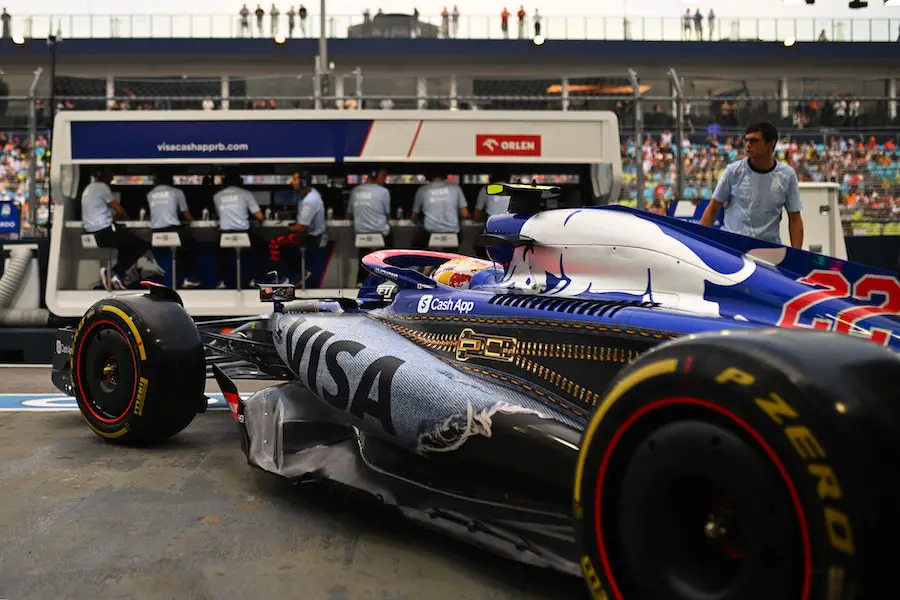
(234, 207)
(441, 204)
(167, 204)
(98, 208)
(756, 190)
(369, 207)
(310, 225)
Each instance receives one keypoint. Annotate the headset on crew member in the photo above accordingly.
(234, 207)
(98, 209)
(441, 204)
(369, 209)
(167, 205)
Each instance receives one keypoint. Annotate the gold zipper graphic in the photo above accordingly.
(469, 344)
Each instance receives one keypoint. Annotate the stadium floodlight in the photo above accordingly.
(18, 39)
(538, 40)
(279, 38)
(789, 41)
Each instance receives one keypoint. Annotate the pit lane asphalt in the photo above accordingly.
(82, 519)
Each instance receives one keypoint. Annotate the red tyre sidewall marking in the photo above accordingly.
(792, 490)
(80, 384)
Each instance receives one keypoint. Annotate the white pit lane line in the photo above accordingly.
(60, 403)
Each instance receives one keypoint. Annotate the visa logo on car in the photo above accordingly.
(429, 303)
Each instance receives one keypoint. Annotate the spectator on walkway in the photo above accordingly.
(504, 23)
(757, 190)
(521, 14)
(260, 13)
(698, 25)
(274, 19)
(245, 23)
(301, 12)
(7, 32)
(686, 25)
(537, 23)
(291, 14)
(454, 32)
(711, 19)
(445, 23)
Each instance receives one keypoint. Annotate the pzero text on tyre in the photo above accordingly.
(739, 466)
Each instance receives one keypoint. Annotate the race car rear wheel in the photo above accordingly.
(752, 465)
(138, 369)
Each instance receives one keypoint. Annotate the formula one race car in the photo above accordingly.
(670, 411)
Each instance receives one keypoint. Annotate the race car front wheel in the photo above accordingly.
(747, 466)
(690, 506)
(138, 369)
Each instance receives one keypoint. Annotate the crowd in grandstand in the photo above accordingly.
(15, 157)
(867, 170)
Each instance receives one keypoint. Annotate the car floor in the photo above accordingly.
(81, 518)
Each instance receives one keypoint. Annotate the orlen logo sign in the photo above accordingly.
(507, 145)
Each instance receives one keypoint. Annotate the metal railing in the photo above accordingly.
(639, 28)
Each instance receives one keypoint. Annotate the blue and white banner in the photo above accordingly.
(10, 217)
(60, 403)
(120, 140)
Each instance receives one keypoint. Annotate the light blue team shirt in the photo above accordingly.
(311, 213)
(166, 203)
(234, 206)
(440, 202)
(370, 205)
(754, 201)
(96, 213)
(492, 205)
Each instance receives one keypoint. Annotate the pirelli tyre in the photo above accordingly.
(138, 368)
(745, 465)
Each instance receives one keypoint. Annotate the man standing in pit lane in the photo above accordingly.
(756, 190)
(310, 225)
(98, 207)
(167, 204)
(234, 207)
(441, 204)
(369, 207)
